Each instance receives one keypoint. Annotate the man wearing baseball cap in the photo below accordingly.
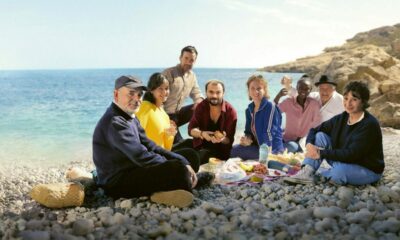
(128, 164)
(330, 100)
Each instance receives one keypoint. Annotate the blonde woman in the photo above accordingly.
(263, 122)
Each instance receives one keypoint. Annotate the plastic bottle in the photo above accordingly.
(263, 154)
(278, 165)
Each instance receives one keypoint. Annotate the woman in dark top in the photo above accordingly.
(350, 142)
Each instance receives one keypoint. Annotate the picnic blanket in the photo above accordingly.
(235, 171)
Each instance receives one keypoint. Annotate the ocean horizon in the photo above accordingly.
(49, 115)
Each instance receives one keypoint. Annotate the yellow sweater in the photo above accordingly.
(155, 120)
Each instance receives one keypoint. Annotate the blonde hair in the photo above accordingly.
(259, 79)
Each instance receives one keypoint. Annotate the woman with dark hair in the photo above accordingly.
(151, 114)
(350, 142)
(263, 122)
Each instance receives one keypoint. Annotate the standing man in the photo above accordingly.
(182, 84)
(213, 124)
(130, 165)
(330, 100)
(302, 114)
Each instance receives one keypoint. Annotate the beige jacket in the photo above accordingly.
(180, 87)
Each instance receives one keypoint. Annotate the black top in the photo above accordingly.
(360, 143)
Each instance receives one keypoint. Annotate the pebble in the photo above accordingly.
(82, 227)
(325, 224)
(35, 235)
(363, 216)
(209, 207)
(272, 210)
(126, 204)
(345, 193)
(390, 225)
(327, 212)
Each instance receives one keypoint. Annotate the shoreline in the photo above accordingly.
(272, 210)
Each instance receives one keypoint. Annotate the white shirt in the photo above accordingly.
(332, 108)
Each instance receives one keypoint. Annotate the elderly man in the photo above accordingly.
(213, 124)
(129, 165)
(330, 100)
(182, 84)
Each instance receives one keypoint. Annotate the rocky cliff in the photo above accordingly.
(372, 56)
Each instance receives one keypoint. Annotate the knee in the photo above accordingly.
(322, 140)
(235, 151)
(338, 175)
(292, 147)
(321, 136)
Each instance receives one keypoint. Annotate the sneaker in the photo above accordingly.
(178, 198)
(304, 176)
(204, 179)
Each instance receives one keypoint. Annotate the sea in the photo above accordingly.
(48, 116)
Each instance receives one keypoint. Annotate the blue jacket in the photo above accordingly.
(120, 143)
(360, 143)
(268, 120)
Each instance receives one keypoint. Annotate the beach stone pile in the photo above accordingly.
(273, 210)
(373, 56)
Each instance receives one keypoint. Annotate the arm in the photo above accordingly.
(247, 128)
(195, 93)
(281, 93)
(316, 117)
(230, 126)
(151, 146)
(325, 127)
(276, 131)
(169, 137)
(124, 138)
(361, 141)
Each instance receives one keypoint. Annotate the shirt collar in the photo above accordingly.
(359, 120)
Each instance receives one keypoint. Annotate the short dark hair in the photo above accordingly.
(190, 49)
(155, 80)
(358, 89)
(215, 82)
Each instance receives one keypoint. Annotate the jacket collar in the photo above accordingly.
(120, 112)
(263, 104)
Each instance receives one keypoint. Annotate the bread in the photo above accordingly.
(219, 134)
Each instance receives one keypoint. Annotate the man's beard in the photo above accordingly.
(214, 101)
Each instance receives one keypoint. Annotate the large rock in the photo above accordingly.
(371, 56)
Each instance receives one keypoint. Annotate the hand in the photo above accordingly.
(172, 130)
(207, 135)
(283, 92)
(312, 151)
(218, 136)
(193, 176)
(245, 141)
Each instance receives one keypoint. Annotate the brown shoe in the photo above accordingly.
(178, 198)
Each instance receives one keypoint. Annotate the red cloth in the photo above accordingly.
(227, 123)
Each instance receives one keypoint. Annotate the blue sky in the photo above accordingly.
(44, 34)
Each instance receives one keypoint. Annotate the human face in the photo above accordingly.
(161, 93)
(128, 99)
(303, 89)
(215, 94)
(187, 61)
(352, 104)
(326, 92)
(256, 91)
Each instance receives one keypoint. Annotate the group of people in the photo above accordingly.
(139, 151)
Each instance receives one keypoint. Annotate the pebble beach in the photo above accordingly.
(273, 210)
